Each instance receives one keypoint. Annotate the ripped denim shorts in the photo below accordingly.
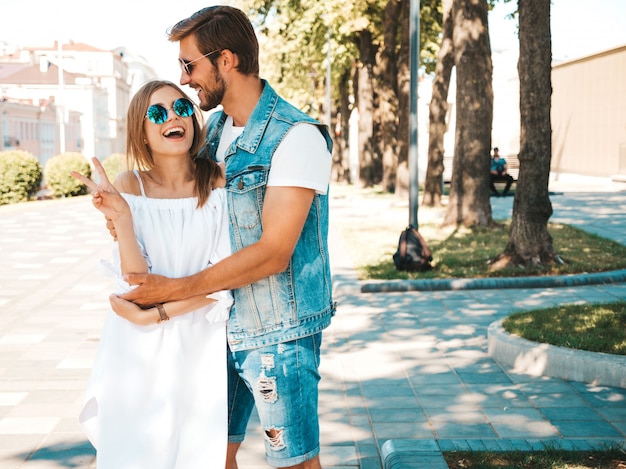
(282, 381)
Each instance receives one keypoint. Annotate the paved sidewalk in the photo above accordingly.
(407, 367)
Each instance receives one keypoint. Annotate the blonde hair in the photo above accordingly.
(139, 155)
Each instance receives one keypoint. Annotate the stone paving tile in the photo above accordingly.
(586, 429)
(564, 414)
(394, 430)
(463, 430)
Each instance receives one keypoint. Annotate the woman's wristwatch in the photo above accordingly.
(162, 314)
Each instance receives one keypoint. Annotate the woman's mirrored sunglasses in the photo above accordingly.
(158, 114)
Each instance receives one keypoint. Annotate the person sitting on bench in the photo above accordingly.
(499, 174)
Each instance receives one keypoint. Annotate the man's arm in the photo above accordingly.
(285, 210)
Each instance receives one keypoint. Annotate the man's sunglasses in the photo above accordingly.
(158, 114)
(187, 67)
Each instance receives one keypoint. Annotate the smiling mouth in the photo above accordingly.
(174, 132)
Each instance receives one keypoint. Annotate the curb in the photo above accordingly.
(598, 278)
(532, 358)
(419, 454)
(412, 454)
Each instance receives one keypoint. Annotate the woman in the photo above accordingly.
(157, 397)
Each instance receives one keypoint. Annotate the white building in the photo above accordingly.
(96, 84)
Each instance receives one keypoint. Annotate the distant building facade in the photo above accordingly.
(589, 115)
(34, 128)
(87, 89)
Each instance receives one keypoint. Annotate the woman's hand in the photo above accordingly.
(106, 197)
(133, 313)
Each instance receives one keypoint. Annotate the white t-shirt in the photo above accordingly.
(301, 159)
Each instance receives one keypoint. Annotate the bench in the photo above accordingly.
(512, 167)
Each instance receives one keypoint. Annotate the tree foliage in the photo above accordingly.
(295, 40)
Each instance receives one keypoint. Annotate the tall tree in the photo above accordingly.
(438, 110)
(341, 149)
(387, 67)
(370, 166)
(404, 91)
(530, 242)
(469, 188)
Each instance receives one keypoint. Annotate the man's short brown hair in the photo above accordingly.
(218, 28)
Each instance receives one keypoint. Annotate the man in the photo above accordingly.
(277, 165)
(499, 173)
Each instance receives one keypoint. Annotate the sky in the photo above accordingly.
(579, 27)
(139, 25)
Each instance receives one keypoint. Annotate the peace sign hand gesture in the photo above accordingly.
(106, 197)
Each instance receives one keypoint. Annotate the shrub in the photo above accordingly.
(20, 176)
(58, 177)
(114, 164)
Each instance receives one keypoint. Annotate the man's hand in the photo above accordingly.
(133, 313)
(151, 289)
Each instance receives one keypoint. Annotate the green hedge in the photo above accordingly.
(58, 177)
(20, 176)
(114, 164)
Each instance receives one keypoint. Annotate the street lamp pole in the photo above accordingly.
(413, 96)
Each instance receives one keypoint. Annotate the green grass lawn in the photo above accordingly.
(611, 458)
(591, 327)
(460, 252)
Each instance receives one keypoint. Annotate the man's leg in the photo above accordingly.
(310, 464)
(231, 455)
(231, 462)
(509, 181)
(284, 379)
(492, 186)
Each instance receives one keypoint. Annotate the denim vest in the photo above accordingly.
(297, 302)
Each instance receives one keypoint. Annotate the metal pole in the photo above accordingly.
(413, 95)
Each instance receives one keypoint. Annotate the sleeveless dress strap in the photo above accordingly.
(136, 173)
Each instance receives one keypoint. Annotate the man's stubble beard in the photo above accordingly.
(215, 96)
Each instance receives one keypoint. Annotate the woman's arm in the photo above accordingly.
(145, 317)
(107, 199)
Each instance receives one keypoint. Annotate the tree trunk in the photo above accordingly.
(469, 189)
(404, 87)
(367, 156)
(387, 96)
(438, 111)
(341, 149)
(529, 240)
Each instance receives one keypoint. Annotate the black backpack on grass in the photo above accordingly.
(413, 254)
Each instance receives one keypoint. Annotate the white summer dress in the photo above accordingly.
(157, 395)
